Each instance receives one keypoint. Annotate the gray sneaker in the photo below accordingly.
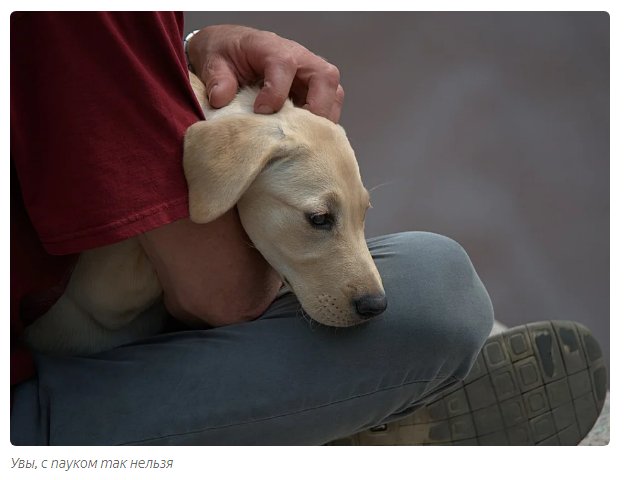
(537, 384)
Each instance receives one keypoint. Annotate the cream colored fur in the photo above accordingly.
(278, 170)
(112, 298)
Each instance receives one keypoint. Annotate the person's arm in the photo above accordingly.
(210, 273)
(98, 163)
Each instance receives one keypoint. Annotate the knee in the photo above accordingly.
(438, 258)
(437, 299)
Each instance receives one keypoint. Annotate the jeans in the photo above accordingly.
(279, 380)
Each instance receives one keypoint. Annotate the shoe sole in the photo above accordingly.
(538, 384)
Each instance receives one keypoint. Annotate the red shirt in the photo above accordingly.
(100, 102)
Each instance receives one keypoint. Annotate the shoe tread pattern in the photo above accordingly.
(542, 383)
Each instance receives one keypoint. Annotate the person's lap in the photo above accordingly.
(279, 379)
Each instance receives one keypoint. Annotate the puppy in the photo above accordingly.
(296, 183)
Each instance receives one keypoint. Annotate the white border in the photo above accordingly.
(397, 462)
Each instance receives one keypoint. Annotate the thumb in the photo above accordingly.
(221, 82)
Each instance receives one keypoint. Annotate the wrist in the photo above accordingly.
(186, 50)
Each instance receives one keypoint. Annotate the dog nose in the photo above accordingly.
(369, 306)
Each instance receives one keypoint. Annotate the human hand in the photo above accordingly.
(226, 57)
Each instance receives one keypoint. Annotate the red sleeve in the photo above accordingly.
(99, 105)
(100, 102)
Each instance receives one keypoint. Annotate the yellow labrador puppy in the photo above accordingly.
(297, 186)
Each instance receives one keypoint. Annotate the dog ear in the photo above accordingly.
(222, 157)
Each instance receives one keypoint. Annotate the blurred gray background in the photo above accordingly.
(490, 128)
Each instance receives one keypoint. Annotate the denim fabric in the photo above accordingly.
(279, 380)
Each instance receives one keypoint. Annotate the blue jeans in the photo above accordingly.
(279, 380)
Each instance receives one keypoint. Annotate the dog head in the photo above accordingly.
(296, 182)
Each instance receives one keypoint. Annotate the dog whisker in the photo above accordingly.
(306, 317)
(391, 182)
(313, 322)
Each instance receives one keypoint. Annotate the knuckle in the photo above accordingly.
(332, 73)
(340, 95)
(286, 60)
(269, 35)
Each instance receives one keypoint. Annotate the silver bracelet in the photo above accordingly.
(186, 40)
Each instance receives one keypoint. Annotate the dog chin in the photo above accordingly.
(330, 316)
(338, 323)
(323, 308)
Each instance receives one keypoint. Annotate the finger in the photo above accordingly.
(298, 92)
(334, 115)
(322, 89)
(221, 82)
(279, 73)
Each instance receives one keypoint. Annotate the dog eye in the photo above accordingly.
(320, 221)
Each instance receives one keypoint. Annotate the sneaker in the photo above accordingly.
(537, 384)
